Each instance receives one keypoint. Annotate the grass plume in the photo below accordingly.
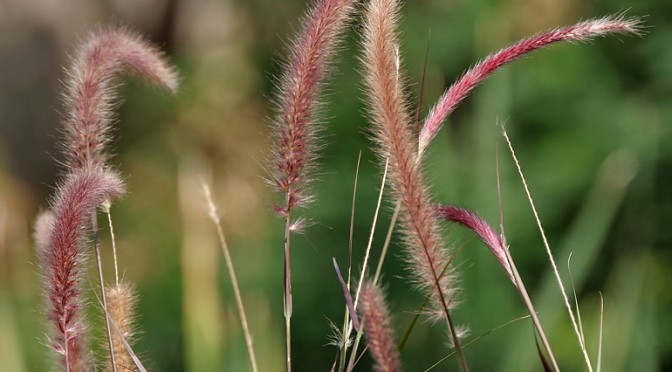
(484, 231)
(298, 98)
(581, 31)
(90, 97)
(298, 101)
(90, 100)
(121, 304)
(75, 201)
(393, 136)
(378, 327)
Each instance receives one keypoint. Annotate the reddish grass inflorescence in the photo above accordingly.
(378, 327)
(77, 197)
(484, 231)
(393, 136)
(89, 90)
(581, 31)
(298, 98)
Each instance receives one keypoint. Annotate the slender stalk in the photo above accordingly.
(214, 216)
(530, 308)
(386, 244)
(599, 349)
(346, 317)
(520, 286)
(352, 217)
(360, 283)
(365, 265)
(548, 251)
(476, 339)
(106, 206)
(96, 244)
(287, 293)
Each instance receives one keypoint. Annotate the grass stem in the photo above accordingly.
(214, 216)
(96, 244)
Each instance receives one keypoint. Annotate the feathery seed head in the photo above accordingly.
(378, 328)
(484, 231)
(121, 301)
(393, 136)
(62, 256)
(461, 88)
(90, 85)
(300, 87)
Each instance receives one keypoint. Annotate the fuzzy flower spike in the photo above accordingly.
(295, 132)
(391, 131)
(298, 98)
(582, 31)
(378, 323)
(90, 98)
(62, 257)
(484, 231)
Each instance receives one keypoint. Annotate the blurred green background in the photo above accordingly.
(589, 123)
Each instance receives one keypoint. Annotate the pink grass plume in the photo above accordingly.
(581, 31)
(298, 98)
(378, 328)
(395, 142)
(484, 231)
(62, 257)
(391, 130)
(90, 97)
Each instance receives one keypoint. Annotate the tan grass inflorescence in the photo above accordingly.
(121, 303)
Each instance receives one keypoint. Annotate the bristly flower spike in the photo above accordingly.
(378, 327)
(298, 98)
(484, 231)
(394, 138)
(62, 255)
(581, 31)
(306, 69)
(90, 97)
